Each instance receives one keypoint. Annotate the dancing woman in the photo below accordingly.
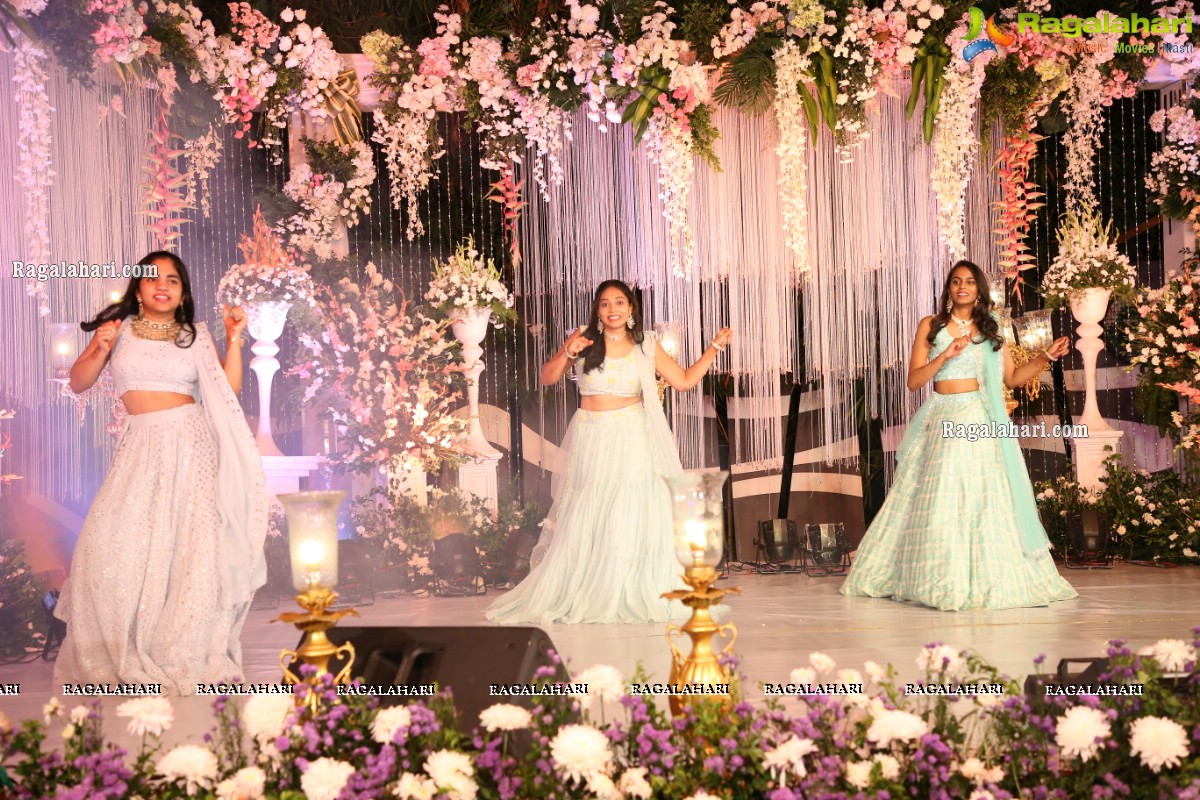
(959, 528)
(605, 553)
(171, 551)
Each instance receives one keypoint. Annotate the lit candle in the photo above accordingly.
(114, 296)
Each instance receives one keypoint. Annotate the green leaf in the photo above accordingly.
(918, 74)
(810, 110)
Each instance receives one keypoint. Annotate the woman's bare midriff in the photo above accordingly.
(607, 402)
(139, 402)
(957, 386)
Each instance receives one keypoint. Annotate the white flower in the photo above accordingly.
(789, 756)
(889, 765)
(415, 787)
(388, 721)
(579, 750)
(602, 786)
(246, 784)
(803, 675)
(603, 681)
(633, 783)
(858, 774)
(822, 662)
(1080, 730)
(702, 795)
(79, 714)
(505, 717)
(52, 709)
(936, 12)
(453, 774)
(325, 778)
(194, 765)
(979, 773)
(849, 676)
(265, 715)
(874, 671)
(287, 15)
(939, 658)
(1158, 742)
(147, 715)
(68, 731)
(896, 726)
(1172, 654)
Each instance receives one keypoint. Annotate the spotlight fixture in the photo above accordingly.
(824, 550)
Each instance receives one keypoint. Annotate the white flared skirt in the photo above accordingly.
(606, 553)
(142, 600)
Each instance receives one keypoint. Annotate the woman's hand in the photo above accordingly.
(723, 338)
(957, 346)
(1059, 348)
(235, 321)
(102, 340)
(576, 343)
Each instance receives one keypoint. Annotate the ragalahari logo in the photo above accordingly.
(995, 36)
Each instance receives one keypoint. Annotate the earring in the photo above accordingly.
(629, 323)
(140, 312)
(949, 306)
(976, 301)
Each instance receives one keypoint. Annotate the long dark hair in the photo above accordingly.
(981, 312)
(593, 354)
(127, 306)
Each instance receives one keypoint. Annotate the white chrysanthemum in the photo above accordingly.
(702, 795)
(1158, 742)
(246, 784)
(875, 672)
(633, 783)
(980, 773)
(896, 726)
(453, 774)
(325, 778)
(938, 658)
(849, 676)
(858, 774)
(822, 663)
(505, 717)
(148, 715)
(52, 709)
(889, 765)
(192, 764)
(265, 715)
(415, 787)
(789, 756)
(602, 787)
(603, 681)
(580, 750)
(79, 714)
(803, 675)
(1172, 654)
(1080, 730)
(388, 721)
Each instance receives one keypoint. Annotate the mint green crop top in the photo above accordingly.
(617, 376)
(967, 364)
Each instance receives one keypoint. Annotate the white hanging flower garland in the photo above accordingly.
(791, 66)
(35, 172)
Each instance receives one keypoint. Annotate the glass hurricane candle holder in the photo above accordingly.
(697, 503)
(996, 290)
(1035, 330)
(312, 538)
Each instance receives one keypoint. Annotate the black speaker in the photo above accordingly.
(467, 660)
(456, 567)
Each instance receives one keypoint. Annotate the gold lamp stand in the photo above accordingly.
(316, 650)
(1022, 356)
(702, 665)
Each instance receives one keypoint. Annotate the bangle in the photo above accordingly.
(1049, 357)
(719, 348)
(237, 341)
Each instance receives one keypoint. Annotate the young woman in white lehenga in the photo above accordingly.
(606, 553)
(171, 551)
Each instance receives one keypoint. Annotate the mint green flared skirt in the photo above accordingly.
(946, 536)
(605, 554)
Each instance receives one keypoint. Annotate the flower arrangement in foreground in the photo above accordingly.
(1087, 259)
(391, 375)
(1152, 517)
(1165, 343)
(466, 283)
(611, 743)
(332, 188)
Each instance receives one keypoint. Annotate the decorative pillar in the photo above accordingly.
(265, 322)
(1102, 440)
(478, 476)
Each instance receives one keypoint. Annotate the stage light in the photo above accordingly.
(777, 542)
(825, 550)
(698, 509)
(312, 536)
(456, 567)
(1089, 541)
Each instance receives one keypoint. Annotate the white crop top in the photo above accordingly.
(149, 366)
(617, 376)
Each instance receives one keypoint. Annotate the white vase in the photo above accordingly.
(1088, 308)
(470, 329)
(265, 322)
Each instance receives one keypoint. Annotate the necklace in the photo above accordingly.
(964, 326)
(618, 337)
(155, 331)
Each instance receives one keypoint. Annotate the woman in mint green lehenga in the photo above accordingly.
(606, 552)
(959, 529)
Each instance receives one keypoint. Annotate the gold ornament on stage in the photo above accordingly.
(312, 535)
(698, 509)
(668, 337)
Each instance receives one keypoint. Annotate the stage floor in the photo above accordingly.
(780, 620)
